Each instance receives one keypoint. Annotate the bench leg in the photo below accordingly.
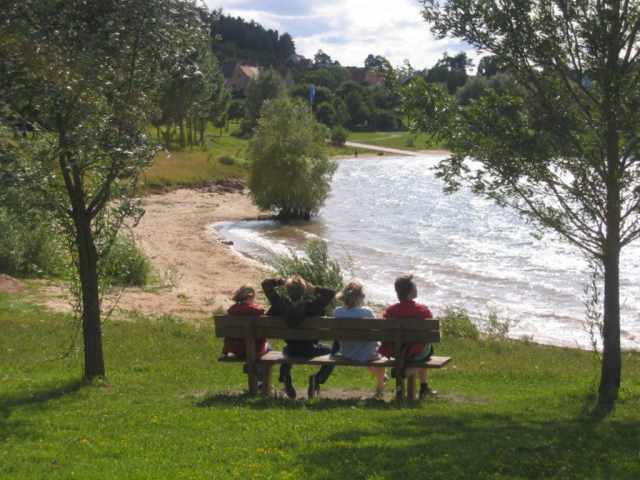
(266, 379)
(411, 385)
(253, 382)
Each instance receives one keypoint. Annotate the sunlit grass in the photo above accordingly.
(168, 409)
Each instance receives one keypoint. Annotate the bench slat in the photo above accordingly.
(345, 335)
(275, 357)
(313, 323)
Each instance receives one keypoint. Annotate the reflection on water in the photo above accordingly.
(390, 217)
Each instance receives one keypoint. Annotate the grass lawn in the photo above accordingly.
(168, 410)
(398, 140)
(194, 165)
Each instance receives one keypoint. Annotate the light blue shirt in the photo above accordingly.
(360, 351)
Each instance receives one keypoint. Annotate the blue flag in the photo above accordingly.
(312, 93)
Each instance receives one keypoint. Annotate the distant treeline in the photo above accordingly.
(236, 39)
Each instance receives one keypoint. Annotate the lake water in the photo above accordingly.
(389, 216)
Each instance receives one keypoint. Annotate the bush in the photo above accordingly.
(314, 265)
(227, 160)
(28, 247)
(456, 323)
(289, 171)
(494, 327)
(339, 135)
(126, 263)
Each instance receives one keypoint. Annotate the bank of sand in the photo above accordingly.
(197, 271)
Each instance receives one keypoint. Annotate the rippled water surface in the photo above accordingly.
(390, 216)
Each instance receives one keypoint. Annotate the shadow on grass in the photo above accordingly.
(475, 446)
(36, 399)
(318, 404)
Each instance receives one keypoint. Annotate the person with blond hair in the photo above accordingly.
(294, 309)
(243, 300)
(352, 295)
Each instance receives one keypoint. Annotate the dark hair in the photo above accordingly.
(404, 286)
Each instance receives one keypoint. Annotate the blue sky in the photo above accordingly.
(349, 30)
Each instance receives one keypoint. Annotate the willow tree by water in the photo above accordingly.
(289, 171)
(565, 156)
(84, 73)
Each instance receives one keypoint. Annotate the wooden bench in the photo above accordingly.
(396, 330)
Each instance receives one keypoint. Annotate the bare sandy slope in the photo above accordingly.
(197, 272)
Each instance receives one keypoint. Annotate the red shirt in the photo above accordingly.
(237, 345)
(408, 309)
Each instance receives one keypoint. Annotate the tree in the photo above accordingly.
(289, 171)
(375, 63)
(268, 85)
(490, 65)
(92, 68)
(451, 71)
(323, 60)
(571, 163)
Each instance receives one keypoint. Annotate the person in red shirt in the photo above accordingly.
(407, 292)
(244, 298)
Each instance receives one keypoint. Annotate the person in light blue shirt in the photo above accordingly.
(353, 296)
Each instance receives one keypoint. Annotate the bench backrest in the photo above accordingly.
(330, 328)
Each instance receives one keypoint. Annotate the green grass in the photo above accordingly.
(168, 410)
(398, 140)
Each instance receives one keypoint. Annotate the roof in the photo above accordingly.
(360, 74)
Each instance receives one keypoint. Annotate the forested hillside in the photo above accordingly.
(237, 39)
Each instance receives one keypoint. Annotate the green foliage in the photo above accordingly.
(238, 39)
(314, 265)
(456, 323)
(29, 246)
(339, 135)
(227, 160)
(267, 86)
(494, 327)
(126, 264)
(289, 171)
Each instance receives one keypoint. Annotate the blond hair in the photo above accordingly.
(296, 287)
(243, 292)
(350, 293)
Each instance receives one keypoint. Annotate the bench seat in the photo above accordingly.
(274, 358)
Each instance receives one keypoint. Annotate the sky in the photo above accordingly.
(349, 30)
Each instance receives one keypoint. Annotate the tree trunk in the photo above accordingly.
(88, 266)
(611, 355)
(182, 139)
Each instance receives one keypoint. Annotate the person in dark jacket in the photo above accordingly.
(294, 310)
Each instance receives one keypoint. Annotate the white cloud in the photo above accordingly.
(349, 30)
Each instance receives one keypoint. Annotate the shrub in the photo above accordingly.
(227, 160)
(28, 246)
(339, 135)
(495, 327)
(457, 323)
(126, 263)
(314, 265)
